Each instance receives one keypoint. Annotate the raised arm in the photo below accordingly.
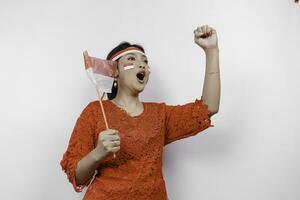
(206, 38)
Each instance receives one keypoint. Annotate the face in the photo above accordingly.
(133, 72)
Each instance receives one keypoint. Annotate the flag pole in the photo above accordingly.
(100, 101)
(102, 109)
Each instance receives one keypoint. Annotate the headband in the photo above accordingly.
(124, 52)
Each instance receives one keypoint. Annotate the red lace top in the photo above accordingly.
(136, 172)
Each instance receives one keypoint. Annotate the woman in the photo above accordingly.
(139, 130)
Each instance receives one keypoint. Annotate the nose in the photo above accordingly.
(141, 66)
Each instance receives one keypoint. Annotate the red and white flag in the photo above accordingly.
(100, 71)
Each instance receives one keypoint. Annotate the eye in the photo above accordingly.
(129, 58)
(146, 61)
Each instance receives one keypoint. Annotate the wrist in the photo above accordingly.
(211, 50)
(98, 153)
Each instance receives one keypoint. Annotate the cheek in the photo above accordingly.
(127, 65)
(126, 75)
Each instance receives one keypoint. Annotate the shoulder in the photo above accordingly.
(95, 107)
(96, 103)
(93, 103)
(91, 107)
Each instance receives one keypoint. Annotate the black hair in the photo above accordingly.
(123, 45)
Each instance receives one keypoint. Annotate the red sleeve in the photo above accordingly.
(186, 120)
(80, 144)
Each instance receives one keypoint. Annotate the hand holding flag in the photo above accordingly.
(101, 72)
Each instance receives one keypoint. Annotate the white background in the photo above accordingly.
(252, 151)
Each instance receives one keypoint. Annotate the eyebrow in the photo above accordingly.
(135, 55)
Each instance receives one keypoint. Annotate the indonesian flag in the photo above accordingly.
(101, 72)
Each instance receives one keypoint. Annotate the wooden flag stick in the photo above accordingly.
(103, 112)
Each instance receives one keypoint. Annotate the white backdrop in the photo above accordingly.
(252, 151)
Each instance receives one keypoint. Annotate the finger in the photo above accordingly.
(198, 34)
(115, 149)
(197, 31)
(115, 143)
(203, 35)
(213, 30)
(110, 137)
(113, 132)
(208, 30)
(203, 29)
(113, 137)
(111, 144)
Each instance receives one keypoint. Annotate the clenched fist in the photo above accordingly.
(206, 37)
(108, 141)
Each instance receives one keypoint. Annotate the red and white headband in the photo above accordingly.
(124, 52)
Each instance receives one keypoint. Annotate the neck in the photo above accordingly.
(127, 98)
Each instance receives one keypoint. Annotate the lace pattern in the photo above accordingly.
(186, 120)
(81, 143)
(136, 173)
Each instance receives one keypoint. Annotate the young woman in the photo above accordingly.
(139, 130)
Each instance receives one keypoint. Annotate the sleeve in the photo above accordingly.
(80, 144)
(186, 120)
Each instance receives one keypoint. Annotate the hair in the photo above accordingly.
(123, 45)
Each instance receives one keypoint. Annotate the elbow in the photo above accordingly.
(213, 112)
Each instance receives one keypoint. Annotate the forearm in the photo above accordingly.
(87, 166)
(211, 87)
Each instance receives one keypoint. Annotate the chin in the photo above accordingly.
(140, 88)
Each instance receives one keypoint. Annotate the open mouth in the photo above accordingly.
(140, 77)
